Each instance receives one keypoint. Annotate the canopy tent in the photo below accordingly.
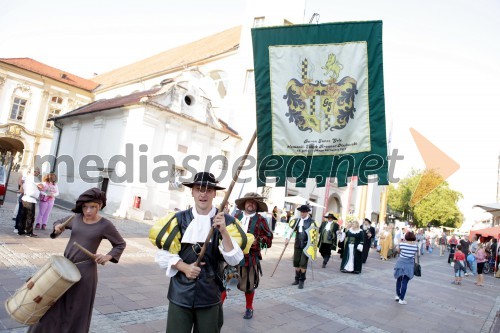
(486, 232)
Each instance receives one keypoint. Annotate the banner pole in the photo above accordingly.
(226, 197)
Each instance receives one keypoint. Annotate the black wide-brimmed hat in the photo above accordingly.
(304, 208)
(330, 215)
(204, 179)
(261, 205)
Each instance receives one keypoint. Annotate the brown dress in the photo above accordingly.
(73, 311)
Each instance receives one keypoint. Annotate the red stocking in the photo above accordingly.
(249, 298)
(223, 296)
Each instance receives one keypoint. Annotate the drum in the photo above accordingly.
(40, 292)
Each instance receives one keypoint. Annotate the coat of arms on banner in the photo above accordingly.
(322, 92)
(321, 106)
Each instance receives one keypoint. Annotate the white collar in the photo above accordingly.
(210, 214)
(249, 216)
(198, 228)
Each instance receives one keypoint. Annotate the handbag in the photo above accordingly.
(44, 198)
(417, 270)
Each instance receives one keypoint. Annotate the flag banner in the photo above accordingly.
(319, 92)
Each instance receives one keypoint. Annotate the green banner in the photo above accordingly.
(319, 92)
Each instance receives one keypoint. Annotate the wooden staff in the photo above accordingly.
(312, 270)
(53, 234)
(226, 197)
(279, 260)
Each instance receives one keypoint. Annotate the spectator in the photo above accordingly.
(459, 265)
(274, 218)
(453, 244)
(31, 190)
(443, 241)
(481, 259)
(404, 268)
(48, 193)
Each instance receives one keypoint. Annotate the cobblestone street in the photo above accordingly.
(131, 296)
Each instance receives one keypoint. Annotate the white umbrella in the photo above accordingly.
(297, 199)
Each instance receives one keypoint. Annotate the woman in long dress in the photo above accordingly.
(341, 237)
(72, 313)
(353, 247)
(385, 242)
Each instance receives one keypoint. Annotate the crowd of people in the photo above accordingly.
(201, 249)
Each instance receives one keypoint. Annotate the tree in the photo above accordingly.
(427, 198)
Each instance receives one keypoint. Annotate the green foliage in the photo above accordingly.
(438, 208)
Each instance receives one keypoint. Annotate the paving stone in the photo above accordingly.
(132, 295)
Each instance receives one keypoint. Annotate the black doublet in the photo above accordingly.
(205, 291)
(301, 237)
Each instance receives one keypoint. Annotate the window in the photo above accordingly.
(249, 83)
(18, 108)
(55, 107)
(175, 180)
(52, 113)
(259, 22)
(56, 100)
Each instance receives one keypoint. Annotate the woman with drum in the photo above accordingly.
(72, 313)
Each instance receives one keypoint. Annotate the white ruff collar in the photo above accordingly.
(198, 229)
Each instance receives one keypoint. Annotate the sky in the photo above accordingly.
(441, 62)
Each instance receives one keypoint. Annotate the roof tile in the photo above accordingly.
(54, 73)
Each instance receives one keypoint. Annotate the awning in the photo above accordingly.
(493, 208)
(486, 232)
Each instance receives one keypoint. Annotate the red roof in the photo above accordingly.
(54, 73)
